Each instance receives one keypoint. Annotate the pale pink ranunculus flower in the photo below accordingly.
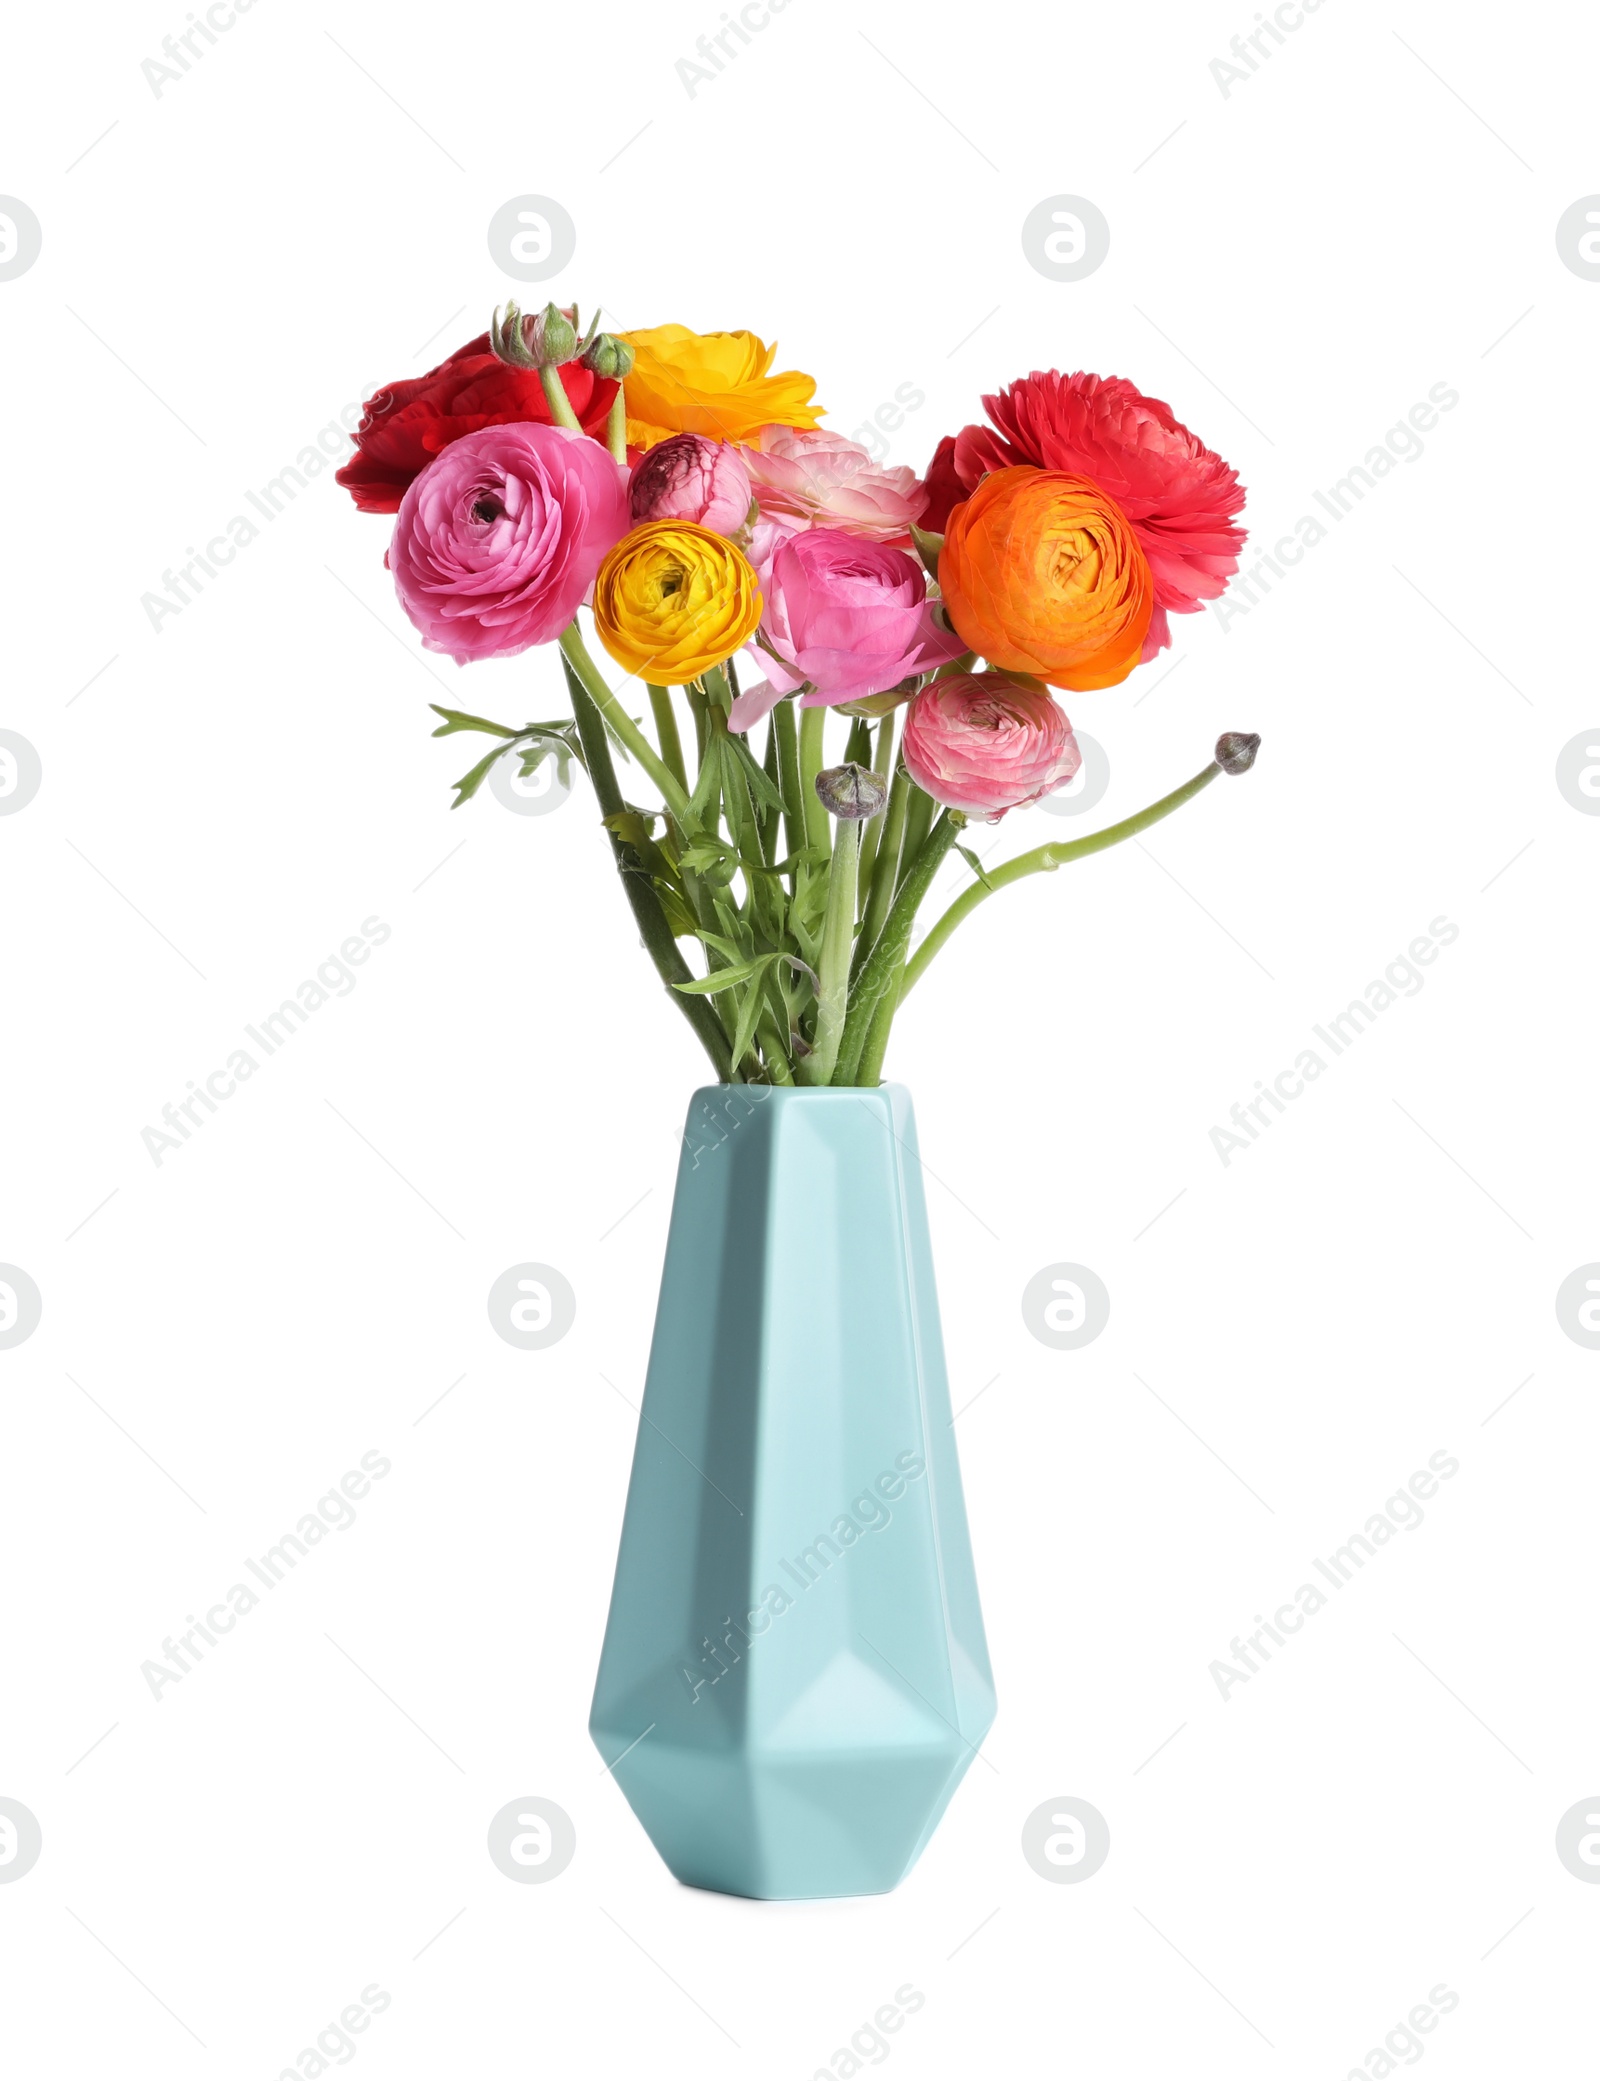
(983, 743)
(692, 478)
(497, 542)
(845, 616)
(819, 479)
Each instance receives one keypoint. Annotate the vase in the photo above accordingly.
(794, 1677)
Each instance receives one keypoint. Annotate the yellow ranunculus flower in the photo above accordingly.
(711, 383)
(672, 599)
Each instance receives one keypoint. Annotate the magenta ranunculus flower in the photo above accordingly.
(984, 743)
(819, 479)
(692, 478)
(846, 616)
(499, 539)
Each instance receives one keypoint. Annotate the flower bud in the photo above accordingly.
(690, 477)
(508, 337)
(553, 337)
(851, 792)
(1236, 750)
(606, 355)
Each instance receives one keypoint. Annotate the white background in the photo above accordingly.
(301, 217)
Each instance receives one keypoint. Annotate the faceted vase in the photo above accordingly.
(794, 1677)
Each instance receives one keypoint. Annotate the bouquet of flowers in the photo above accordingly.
(735, 557)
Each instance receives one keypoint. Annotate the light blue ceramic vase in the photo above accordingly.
(795, 1677)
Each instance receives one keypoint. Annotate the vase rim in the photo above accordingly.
(760, 1093)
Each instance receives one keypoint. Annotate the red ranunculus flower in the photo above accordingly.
(1180, 496)
(405, 425)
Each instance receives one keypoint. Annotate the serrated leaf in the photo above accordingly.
(708, 852)
(455, 719)
(470, 782)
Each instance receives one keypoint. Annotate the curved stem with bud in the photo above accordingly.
(1235, 754)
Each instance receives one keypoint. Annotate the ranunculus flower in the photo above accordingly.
(692, 478)
(984, 744)
(1041, 573)
(852, 617)
(821, 479)
(943, 487)
(1179, 494)
(712, 383)
(499, 538)
(405, 425)
(672, 599)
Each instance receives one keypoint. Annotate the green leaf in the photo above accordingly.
(927, 546)
(745, 1028)
(721, 979)
(534, 756)
(469, 783)
(761, 783)
(976, 865)
(807, 856)
(729, 949)
(707, 782)
(455, 720)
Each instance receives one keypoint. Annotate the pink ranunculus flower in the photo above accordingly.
(846, 616)
(1179, 494)
(498, 540)
(692, 478)
(984, 743)
(820, 479)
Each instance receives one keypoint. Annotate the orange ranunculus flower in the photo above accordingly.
(672, 599)
(1042, 573)
(711, 383)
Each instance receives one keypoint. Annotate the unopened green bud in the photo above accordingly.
(851, 792)
(606, 355)
(508, 337)
(553, 337)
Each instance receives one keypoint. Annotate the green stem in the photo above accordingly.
(869, 1070)
(673, 792)
(838, 928)
(919, 822)
(698, 705)
(1045, 859)
(555, 394)
(872, 836)
(667, 730)
(794, 818)
(617, 428)
(886, 868)
(648, 915)
(873, 1001)
(816, 817)
(774, 1051)
(769, 817)
(718, 691)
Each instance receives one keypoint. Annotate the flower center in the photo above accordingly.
(487, 508)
